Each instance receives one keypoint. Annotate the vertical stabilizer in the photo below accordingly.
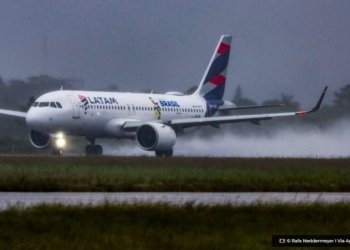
(212, 85)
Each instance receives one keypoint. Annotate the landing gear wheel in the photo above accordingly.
(98, 149)
(159, 153)
(57, 151)
(166, 153)
(89, 150)
(93, 150)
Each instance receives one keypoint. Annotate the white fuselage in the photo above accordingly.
(102, 114)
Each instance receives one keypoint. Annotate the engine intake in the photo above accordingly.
(155, 137)
(39, 140)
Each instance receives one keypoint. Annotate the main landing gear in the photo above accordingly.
(93, 149)
(166, 153)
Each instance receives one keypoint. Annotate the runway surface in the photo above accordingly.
(8, 199)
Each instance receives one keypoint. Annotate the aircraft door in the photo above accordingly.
(131, 109)
(75, 106)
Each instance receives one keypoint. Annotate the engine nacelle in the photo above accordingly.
(39, 140)
(155, 137)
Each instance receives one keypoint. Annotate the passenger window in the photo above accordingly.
(53, 105)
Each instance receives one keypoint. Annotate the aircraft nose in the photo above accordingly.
(33, 119)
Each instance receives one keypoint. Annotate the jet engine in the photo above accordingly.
(39, 140)
(155, 137)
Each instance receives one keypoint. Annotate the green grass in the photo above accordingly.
(165, 227)
(173, 174)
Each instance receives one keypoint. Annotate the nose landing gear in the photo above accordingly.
(57, 151)
(59, 142)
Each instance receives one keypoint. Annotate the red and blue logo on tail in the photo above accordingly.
(212, 86)
(213, 83)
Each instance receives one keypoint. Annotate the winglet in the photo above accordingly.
(317, 106)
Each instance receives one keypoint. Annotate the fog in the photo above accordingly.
(293, 47)
(305, 141)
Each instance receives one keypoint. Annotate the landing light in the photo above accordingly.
(60, 141)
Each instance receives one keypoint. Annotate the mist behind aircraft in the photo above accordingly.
(302, 141)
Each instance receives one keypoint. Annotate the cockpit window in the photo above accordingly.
(53, 105)
(43, 104)
(47, 104)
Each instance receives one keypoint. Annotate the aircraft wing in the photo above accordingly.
(191, 122)
(250, 107)
(131, 125)
(13, 113)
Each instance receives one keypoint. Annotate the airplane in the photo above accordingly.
(153, 120)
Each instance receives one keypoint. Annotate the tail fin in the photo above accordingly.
(212, 85)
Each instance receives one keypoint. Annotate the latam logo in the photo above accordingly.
(97, 100)
(169, 104)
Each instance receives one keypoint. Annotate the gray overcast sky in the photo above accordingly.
(278, 46)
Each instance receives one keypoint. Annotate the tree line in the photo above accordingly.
(20, 94)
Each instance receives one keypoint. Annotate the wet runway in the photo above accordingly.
(8, 199)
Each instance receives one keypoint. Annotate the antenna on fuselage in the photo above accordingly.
(61, 87)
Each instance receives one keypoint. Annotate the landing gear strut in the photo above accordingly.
(93, 149)
(59, 143)
(166, 153)
(57, 151)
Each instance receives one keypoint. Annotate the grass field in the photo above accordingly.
(173, 174)
(165, 227)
